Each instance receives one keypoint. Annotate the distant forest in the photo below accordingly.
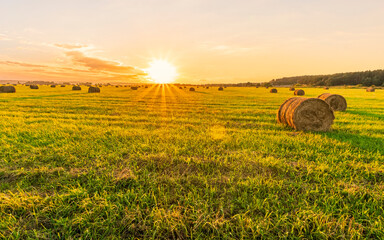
(367, 78)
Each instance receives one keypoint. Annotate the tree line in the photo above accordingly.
(366, 78)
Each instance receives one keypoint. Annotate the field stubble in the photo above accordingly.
(165, 162)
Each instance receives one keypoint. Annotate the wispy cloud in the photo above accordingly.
(99, 64)
(4, 37)
(70, 46)
(227, 49)
(21, 64)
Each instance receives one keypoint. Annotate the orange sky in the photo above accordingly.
(208, 41)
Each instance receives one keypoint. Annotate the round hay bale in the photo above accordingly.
(370, 89)
(306, 114)
(76, 88)
(335, 101)
(273, 90)
(62, 86)
(299, 92)
(192, 89)
(326, 88)
(134, 88)
(53, 85)
(93, 90)
(292, 89)
(33, 87)
(7, 89)
(207, 88)
(180, 88)
(221, 89)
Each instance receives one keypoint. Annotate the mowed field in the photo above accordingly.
(167, 163)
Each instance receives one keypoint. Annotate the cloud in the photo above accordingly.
(3, 37)
(98, 64)
(21, 64)
(70, 46)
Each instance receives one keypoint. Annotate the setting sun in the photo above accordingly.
(161, 71)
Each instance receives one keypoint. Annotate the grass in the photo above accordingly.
(166, 163)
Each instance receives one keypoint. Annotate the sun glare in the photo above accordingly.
(161, 71)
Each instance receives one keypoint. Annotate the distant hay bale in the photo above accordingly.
(306, 114)
(146, 86)
(207, 87)
(370, 89)
(134, 88)
(93, 90)
(33, 87)
(180, 88)
(221, 89)
(192, 89)
(76, 88)
(53, 85)
(335, 101)
(299, 92)
(62, 86)
(326, 88)
(292, 89)
(273, 90)
(7, 89)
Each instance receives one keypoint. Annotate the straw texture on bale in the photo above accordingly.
(299, 92)
(221, 89)
(134, 88)
(93, 90)
(7, 89)
(76, 88)
(335, 101)
(306, 114)
(191, 89)
(292, 89)
(273, 90)
(33, 87)
(371, 89)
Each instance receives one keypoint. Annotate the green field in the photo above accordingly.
(168, 163)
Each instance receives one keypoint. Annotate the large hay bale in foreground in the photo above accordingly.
(335, 101)
(299, 92)
(7, 89)
(273, 90)
(370, 89)
(93, 90)
(221, 89)
(306, 114)
(134, 88)
(192, 89)
(76, 88)
(292, 89)
(33, 87)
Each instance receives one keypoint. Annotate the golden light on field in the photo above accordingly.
(161, 71)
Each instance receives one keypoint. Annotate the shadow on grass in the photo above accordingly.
(363, 142)
(366, 114)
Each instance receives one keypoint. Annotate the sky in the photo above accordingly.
(208, 41)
